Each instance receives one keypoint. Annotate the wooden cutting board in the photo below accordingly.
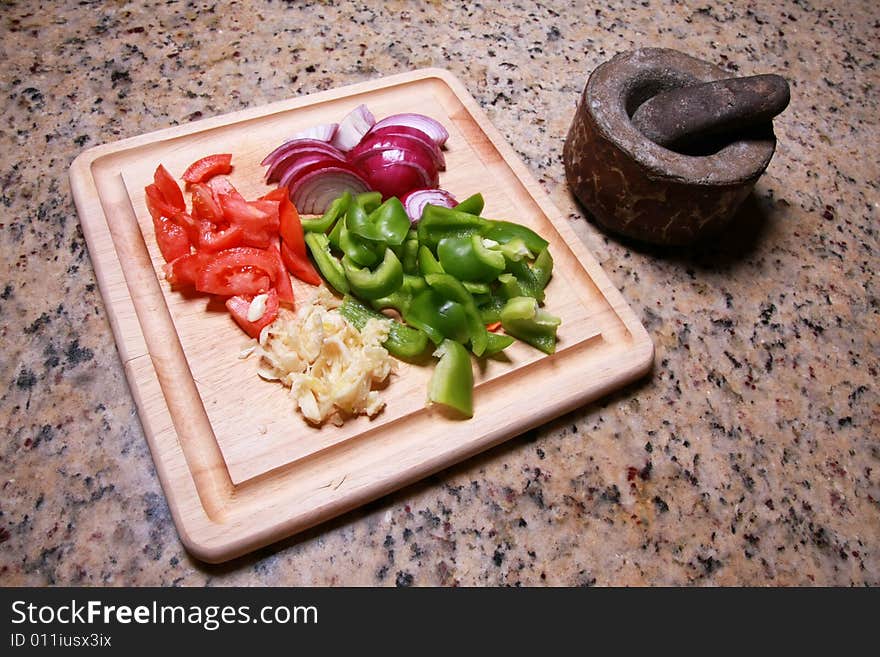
(239, 466)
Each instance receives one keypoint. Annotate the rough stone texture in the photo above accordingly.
(637, 188)
(749, 457)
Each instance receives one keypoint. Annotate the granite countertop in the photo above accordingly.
(750, 456)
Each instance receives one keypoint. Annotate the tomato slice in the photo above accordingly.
(258, 219)
(156, 203)
(207, 167)
(183, 271)
(282, 283)
(213, 240)
(169, 188)
(241, 270)
(290, 226)
(238, 307)
(189, 224)
(302, 268)
(204, 206)
(171, 238)
(222, 185)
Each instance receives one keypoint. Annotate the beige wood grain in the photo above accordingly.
(239, 466)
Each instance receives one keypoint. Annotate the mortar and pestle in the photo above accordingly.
(664, 147)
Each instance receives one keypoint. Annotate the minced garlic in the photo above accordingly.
(330, 367)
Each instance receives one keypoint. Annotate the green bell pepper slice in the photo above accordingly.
(440, 318)
(329, 266)
(452, 383)
(521, 279)
(335, 235)
(477, 289)
(471, 205)
(515, 250)
(372, 284)
(403, 341)
(409, 253)
(369, 201)
(337, 209)
(388, 224)
(523, 319)
(468, 259)
(497, 343)
(401, 298)
(451, 288)
(490, 309)
(438, 222)
(428, 264)
(505, 231)
(361, 252)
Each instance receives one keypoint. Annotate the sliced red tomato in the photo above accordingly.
(204, 205)
(183, 271)
(239, 306)
(282, 283)
(171, 238)
(212, 240)
(222, 185)
(302, 268)
(290, 225)
(242, 270)
(207, 167)
(293, 245)
(156, 203)
(258, 219)
(189, 224)
(169, 188)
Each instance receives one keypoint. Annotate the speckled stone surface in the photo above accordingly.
(750, 456)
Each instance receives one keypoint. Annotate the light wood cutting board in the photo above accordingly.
(239, 466)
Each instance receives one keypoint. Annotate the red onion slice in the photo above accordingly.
(300, 144)
(403, 138)
(323, 132)
(302, 165)
(353, 127)
(316, 190)
(416, 200)
(431, 127)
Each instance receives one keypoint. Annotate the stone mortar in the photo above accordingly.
(636, 188)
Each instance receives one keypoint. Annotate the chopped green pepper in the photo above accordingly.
(451, 288)
(372, 284)
(468, 259)
(497, 343)
(542, 268)
(388, 224)
(490, 309)
(362, 252)
(337, 209)
(335, 235)
(403, 341)
(476, 288)
(401, 298)
(409, 253)
(330, 267)
(369, 201)
(452, 383)
(428, 264)
(438, 317)
(514, 250)
(504, 231)
(437, 223)
(525, 280)
(471, 205)
(522, 319)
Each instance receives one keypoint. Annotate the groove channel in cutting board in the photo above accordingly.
(238, 464)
